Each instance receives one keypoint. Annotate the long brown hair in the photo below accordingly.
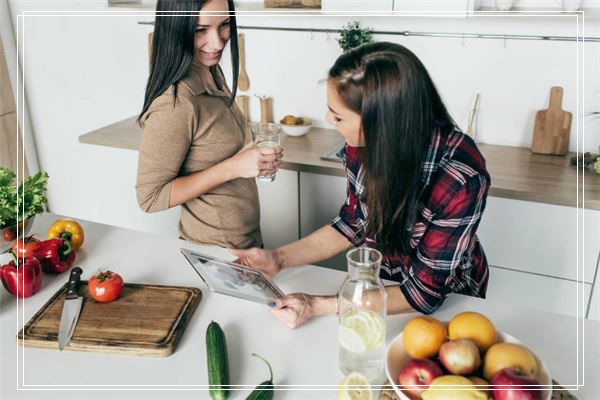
(400, 109)
(173, 47)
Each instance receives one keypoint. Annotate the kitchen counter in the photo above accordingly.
(516, 172)
(302, 359)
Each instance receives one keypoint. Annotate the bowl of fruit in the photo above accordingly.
(466, 358)
(295, 126)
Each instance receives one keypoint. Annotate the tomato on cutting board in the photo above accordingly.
(105, 286)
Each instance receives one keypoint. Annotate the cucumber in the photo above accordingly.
(265, 390)
(217, 362)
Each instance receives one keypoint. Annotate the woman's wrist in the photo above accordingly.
(229, 169)
(280, 258)
(325, 305)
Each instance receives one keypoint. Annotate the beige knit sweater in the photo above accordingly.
(193, 133)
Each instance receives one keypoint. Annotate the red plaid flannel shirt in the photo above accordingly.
(446, 255)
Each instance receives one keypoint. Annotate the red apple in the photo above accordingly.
(460, 356)
(512, 384)
(416, 375)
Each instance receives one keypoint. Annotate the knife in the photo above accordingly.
(71, 309)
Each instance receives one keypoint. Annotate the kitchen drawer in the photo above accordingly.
(537, 292)
(540, 238)
(321, 197)
(279, 209)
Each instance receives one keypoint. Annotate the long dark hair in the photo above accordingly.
(173, 47)
(400, 108)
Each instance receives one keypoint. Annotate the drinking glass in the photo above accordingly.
(266, 135)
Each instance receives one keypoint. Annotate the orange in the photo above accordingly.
(475, 327)
(423, 336)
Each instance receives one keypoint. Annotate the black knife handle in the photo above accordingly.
(73, 283)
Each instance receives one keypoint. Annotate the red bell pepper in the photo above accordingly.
(22, 280)
(55, 255)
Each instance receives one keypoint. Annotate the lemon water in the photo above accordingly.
(369, 364)
(361, 339)
(362, 302)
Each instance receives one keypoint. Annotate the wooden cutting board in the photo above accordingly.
(146, 320)
(552, 127)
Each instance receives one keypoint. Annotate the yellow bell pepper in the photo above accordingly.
(67, 229)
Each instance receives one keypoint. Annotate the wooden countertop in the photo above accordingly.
(516, 172)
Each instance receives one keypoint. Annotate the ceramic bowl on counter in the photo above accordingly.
(396, 357)
(9, 233)
(301, 127)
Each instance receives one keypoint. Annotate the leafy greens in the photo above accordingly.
(19, 204)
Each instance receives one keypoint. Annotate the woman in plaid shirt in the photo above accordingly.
(416, 189)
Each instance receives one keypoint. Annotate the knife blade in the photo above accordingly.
(71, 309)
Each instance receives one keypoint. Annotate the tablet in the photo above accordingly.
(233, 279)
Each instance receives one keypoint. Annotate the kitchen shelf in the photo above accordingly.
(589, 13)
(516, 173)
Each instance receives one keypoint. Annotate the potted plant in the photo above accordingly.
(353, 35)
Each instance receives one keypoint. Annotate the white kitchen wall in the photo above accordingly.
(85, 71)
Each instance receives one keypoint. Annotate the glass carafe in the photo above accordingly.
(362, 302)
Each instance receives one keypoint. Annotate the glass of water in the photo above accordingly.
(266, 135)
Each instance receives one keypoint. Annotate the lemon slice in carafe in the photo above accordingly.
(354, 387)
(361, 331)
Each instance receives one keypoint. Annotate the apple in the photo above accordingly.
(512, 384)
(508, 355)
(416, 375)
(460, 356)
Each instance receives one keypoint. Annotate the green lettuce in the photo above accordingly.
(19, 204)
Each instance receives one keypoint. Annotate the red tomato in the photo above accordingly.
(105, 286)
(26, 247)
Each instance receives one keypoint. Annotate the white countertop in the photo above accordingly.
(305, 358)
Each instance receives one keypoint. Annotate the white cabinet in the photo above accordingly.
(321, 197)
(279, 209)
(357, 5)
(541, 238)
(538, 292)
(443, 7)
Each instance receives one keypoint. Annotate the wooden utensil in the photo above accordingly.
(552, 127)
(243, 81)
(146, 320)
(266, 110)
(242, 102)
(470, 131)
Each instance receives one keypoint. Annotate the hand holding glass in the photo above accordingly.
(266, 136)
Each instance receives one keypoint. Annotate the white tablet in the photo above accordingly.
(233, 279)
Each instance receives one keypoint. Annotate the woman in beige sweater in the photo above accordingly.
(196, 151)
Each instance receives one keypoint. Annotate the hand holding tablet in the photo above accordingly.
(233, 279)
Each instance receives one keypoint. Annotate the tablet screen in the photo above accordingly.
(233, 279)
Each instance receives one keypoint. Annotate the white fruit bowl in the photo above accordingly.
(297, 130)
(396, 357)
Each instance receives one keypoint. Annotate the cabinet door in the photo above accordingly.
(541, 238)
(279, 209)
(450, 8)
(321, 197)
(537, 292)
(357, 5)
(10, 137)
